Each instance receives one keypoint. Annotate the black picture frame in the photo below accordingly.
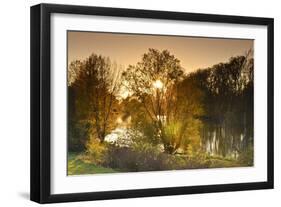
(41, 96)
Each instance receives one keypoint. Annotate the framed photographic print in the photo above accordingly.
(133, 103)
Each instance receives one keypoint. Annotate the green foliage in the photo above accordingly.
(92, 86)
(77, 165)
(192, 142)
(78, 134)
(173, 136)
(247, 157)
(95, 151)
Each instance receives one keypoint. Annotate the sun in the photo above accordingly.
(124, 92)
(158, 84)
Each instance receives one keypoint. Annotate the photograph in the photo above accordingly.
(149, 102)
(133, 103)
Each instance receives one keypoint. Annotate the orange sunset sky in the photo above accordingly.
(125, 49)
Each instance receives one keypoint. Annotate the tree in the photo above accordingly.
(73, 71)
(228, 105)
(187, 107)
(153, 82)
(94, 83)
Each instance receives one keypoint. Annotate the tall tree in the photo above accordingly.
(95, 86)
(154, 82)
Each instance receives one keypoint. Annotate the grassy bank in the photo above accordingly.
(77, 166)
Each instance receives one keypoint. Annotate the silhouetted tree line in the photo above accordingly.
(228, 96)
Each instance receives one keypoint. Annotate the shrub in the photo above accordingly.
(148, 156)
(140, 155)
(78, 134)
(247, 157)
(173, 136)
(96, 151)
(120, 158)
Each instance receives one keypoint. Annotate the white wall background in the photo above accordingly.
(14, 101)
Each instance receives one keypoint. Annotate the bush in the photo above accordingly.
(78, 134)
(148, 156)
(140, 155)
(120, 158)
(247, 157)
(173, 136)
(96, 151)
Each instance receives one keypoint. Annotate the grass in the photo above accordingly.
(223, 163)
(76, 166)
